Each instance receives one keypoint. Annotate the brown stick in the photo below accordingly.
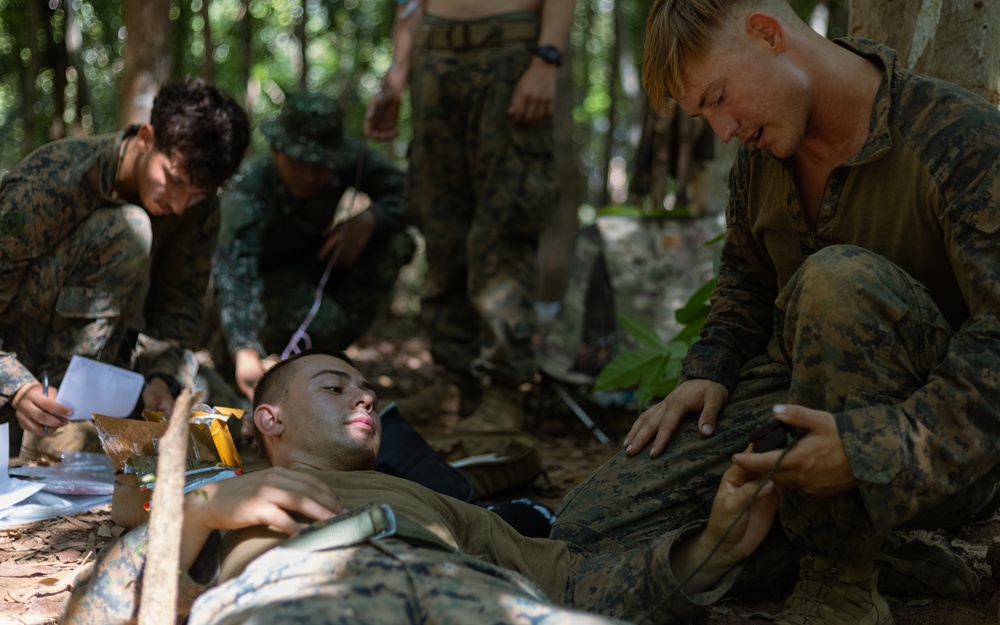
(166, 520)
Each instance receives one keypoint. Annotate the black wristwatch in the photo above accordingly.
(549, 54)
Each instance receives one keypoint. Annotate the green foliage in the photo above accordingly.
(653, 369)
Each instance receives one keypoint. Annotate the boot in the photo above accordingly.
(502, 410)
(911, 566)
(835, 592)
(441, 397)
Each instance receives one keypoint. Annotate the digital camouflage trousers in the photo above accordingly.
(482, 189)
(384, 582)
(851, 329)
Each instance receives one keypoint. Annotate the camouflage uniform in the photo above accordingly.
(883, 314)
(482, 189)
(495, 576)
(266, 268)
(82, 273)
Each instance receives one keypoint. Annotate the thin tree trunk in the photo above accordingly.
(179, 39)
(559, 237)
(58, 58)
(31, 69)
(659, 167)
(300, 34)
(613, 79)
(147, 57)
(245, 18)
(74, 42)
(208, 63)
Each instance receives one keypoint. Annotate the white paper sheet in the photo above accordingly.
(12, 490)
(95, 387)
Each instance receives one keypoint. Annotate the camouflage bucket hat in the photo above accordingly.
(310, 128)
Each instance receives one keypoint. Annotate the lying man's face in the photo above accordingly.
(321, 415)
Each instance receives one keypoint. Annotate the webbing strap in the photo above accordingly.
(369, 522)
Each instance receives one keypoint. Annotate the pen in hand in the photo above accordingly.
(45, 392)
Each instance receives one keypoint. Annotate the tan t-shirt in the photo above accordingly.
(473, 530)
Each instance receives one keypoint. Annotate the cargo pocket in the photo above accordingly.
(537, 193)
(83, 322)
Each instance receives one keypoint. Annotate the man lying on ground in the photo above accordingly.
(448, 561)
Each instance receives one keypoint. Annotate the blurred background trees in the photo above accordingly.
(78, 67)
(82, 67)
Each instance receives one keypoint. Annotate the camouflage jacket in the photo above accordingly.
(263, 226)
(924, 192)
(45, 196)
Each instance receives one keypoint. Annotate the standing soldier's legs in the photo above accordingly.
(442, 195)
(80, 300)
(442, 202)
(516, 193)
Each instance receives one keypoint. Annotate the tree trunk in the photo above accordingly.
(559, 238)
(956, 41)
(147, 57)
(29, 93)
(74, 42)
(300, 34)
(613, 80)
(208, 63)
(245, 19)
(181, 30)
(58, 59)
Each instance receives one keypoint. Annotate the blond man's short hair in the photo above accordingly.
(677, 30)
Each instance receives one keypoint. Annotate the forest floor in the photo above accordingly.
(39, 562)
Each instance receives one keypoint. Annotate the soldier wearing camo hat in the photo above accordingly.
(276, 239)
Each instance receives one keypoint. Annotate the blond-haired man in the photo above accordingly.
(858, 302)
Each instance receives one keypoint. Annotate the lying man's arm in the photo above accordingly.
(717, 552)
(111, 595)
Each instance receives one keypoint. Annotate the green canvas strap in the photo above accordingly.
(369, 522)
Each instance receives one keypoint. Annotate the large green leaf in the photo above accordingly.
(650, 378)
(642, 332)
(627, 369)
(697, 306)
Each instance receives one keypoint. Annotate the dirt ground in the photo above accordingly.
(40, 562)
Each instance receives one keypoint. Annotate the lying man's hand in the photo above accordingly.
(749, 528)
(260, 498)
(816, 464)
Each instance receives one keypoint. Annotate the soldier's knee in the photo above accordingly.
(836, 271)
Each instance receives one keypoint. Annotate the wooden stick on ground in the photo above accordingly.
(166, 519)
